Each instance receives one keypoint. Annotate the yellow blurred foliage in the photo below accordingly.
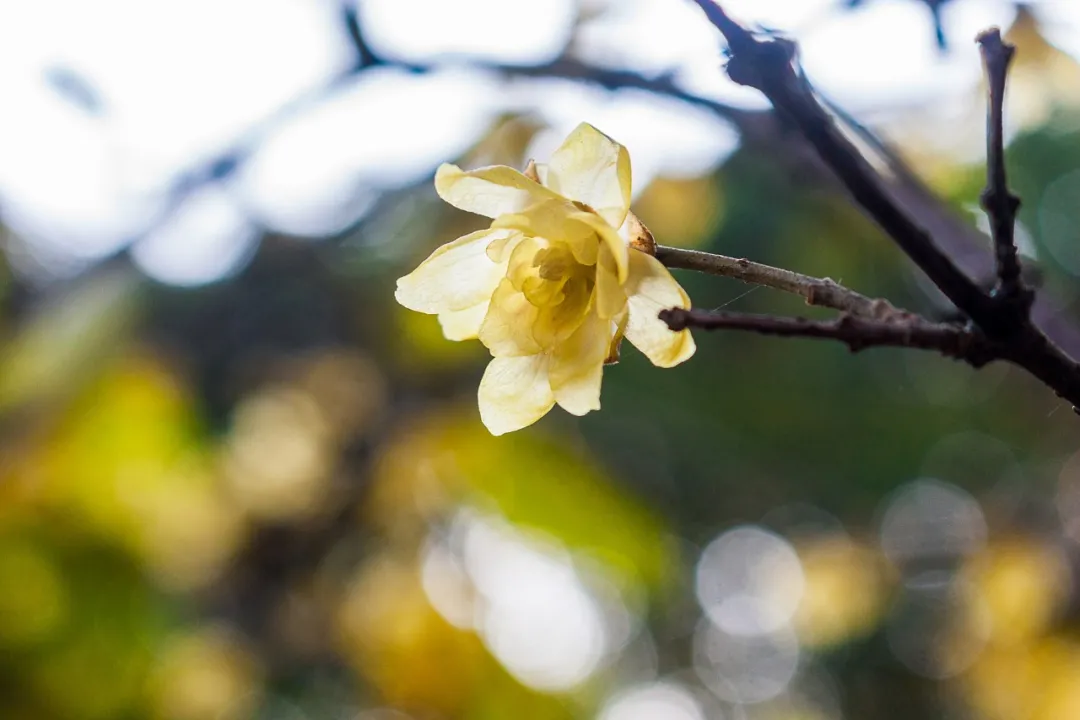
(394, 638)
(1042, 78)
(34, 602)
(446, 458)
(1037, 681)
(279, 455)
(282, 451)
(64, 342)
(845, 593)
(204, 673)
(505, 144)
(188, 531)
(1020, 586)
(347, 386)
(422, 348)
(1028, 670)
(125, 463)
(683, 212)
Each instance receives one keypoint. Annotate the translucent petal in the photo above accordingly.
(522, 262)
(558, 221)
(456, 276)
(507, 328)
(499, 250)
(577, 366)
(593, 169)
(651, 289)
(489, 191)
(463, 324)
(610, 296)
(515, 393)
(618, 330)
(611, 239)
(544, 293)
(555, 324)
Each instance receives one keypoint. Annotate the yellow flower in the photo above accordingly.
(553, 285)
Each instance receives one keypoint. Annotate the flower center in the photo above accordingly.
(556, 278)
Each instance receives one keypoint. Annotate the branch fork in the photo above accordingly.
(999, 324)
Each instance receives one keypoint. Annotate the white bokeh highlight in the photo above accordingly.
(208, 238)
(549, 625)
(929, 520)
(509, 31)
(745, 669)
(387, 128)
(653, 701)
(749, 581)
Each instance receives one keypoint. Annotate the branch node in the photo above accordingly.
(857, 333)
(677, 319)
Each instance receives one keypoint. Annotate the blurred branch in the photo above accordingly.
(1000, 204)
(858, 333)
(564, 67)
(822, 292)
(768, 65)
(350, 15)
(227, 161)
(568, 68)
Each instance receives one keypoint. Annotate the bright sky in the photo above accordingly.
(178, 80)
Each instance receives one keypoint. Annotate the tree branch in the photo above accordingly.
(963, 243)
(822, 292)
(1000, 204)
(768, 65)
(858, 333)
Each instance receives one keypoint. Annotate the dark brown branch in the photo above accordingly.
(822, 292)
(1000, 204)
(963, 243)
(568, 68)
(857, 333)
(768, 65)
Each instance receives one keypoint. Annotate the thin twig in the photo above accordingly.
(1000, 204)
(822, 292)
(858, 333)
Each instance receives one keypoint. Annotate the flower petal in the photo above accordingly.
(649, 290)
(507, 328)
(610, 296)
(514, 393)
(489, 191)
(456, 276)
(593, 169)
(610, 238)
(577, 366)
(559, 221)
(618, 330)
(555, 324)
(463, 324)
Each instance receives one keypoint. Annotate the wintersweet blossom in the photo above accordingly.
(563, 273)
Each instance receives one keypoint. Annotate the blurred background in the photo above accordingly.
(237, 481)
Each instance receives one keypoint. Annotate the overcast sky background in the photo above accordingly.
(108, 103)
